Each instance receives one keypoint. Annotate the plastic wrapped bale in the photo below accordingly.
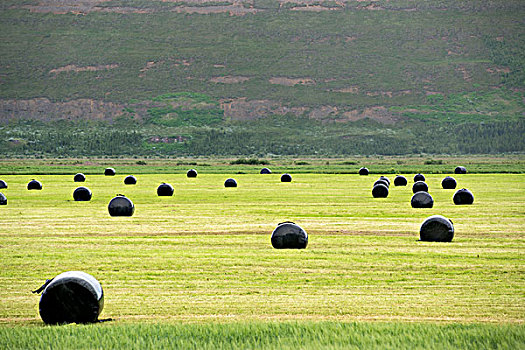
(286, 178)
(191, 173)
(419, 186)
(265, 171)
(419, 177)
(34, 185)
(289, 235)
(382, 182)
(130, 180)
(386, 179)
(3, 184)
(165, 189)
(71, 297)
(460, 170)
(3, 199)
(380, 191)
(363, 171)
(463, 196)
(448, 183)
(230, 183)
(422, 200)
(121, 206)
(79, 177)
(436, 228)
(82, 194)
(400, 181)
(109, 172)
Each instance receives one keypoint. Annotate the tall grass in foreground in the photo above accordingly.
(285, 335)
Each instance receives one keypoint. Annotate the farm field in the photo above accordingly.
(201, 261)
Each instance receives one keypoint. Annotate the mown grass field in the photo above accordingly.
(204, 256)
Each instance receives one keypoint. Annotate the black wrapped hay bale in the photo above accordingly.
(422, 200)
(380, 191)
(419, 186)
(419, 177)
(400, 181)
(165, 189)
(82, 194)
(289, 235)
(130, 180)
(266, 171)
(448, 183)
(286, 178)
(121, 206)
(436, 228)
(386, 179)
(463, 196)
(191, 173)
(34, 185)
(382, 182)
(71, 297)
(109, 172)
(363, 171)
(3, 184)
(230, 183)
(79, 177)
(460, 170)
(3, 199)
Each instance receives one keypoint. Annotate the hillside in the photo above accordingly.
(256, 77)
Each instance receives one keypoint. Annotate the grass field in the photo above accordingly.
(204, 256)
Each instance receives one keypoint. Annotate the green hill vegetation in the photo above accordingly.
(261, 77)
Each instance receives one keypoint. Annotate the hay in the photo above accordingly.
(289, 235)
(400, 181)
(422, 200)
(79, 177)
(460, 170)
(448, 183)
(109, 172)
(363, 171)
(191, 173)
(380, 191)
(419, 186)
(265, 171)
(386, 179)
(3, 199)
(130, 180)
(82, 194)
(71, 297)
(382, 182)
(436, 228)
(286, 178)
(3, 184)
(230, 183)
(34, 185)
(165, 189)
(463, 197)
(121, 206)
(419, 177)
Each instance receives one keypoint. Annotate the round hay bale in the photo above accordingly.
(419, 186)
(34, 185)
(79, 177)
(400, 181)
(436, 228)
(3, 199)
(191, 173)
(386, 179)
(380, 191)
(265, 171)
(448, 183)
(363, 171)
(286, 178)
(460, 170)
(82, 194)
(463, 197)
(71, 297)
(419, 177)
(3, 184)
(130, 180)
(121, 206)
(422, 200)
(230, 183)
(289, 235)
(109, 172)
(165, 189)
(383, 182)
